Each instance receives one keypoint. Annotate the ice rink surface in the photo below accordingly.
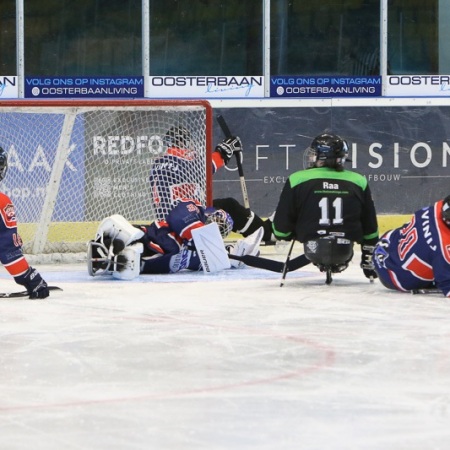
(228, 361)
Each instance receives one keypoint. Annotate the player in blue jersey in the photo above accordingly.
(417, 255)
(170, 175)
(164, 246)
(168, 244)
(328, 209)
(11, 255)
(169, 180)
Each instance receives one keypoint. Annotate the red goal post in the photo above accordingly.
(73, 163)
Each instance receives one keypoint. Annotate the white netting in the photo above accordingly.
(71, 166)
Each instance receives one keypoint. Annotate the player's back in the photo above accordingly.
(169, 182)
(329, 202)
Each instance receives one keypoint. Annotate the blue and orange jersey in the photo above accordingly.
(171, 180)
(419, 252)
(167, 236)
(11, 255)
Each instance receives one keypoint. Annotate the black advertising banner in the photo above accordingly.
(403, 151)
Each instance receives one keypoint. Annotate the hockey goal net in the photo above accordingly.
(73, 163)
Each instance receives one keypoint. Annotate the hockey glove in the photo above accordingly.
(366, 261)
(34, 283)
(228, 147)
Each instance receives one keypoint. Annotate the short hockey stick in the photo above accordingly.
(227, 133)
(426, 291)
(24, 293)
(270, 264)
(286, 264)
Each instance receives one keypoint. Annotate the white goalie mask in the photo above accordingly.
(222, 218)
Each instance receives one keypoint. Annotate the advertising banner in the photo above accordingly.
(9, 87)
(84, 87)
(30, 165)
(325, 86)
(206, 87)
(418, 86)
(403, 151)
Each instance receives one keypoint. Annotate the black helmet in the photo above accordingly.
(3, 163)
(329, 146)
(178, 137)
(446, 210)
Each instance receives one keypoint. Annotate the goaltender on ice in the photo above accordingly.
(190, 238)
(11, 254)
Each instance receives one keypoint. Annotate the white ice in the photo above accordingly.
(230, 361)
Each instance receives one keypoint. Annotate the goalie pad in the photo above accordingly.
(99, 261)
(127, 264)
(120, 231)
(123, 266)
(247, 246)
(111, 253)
(210, 248)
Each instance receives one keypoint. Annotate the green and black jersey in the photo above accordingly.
(322, 201)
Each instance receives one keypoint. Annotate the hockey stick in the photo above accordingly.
(25, 293)
(227, 133)
(426, 291)
(272, 265)
(286, 264)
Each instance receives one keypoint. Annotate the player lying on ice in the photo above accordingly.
(191, 238)
(416, 256)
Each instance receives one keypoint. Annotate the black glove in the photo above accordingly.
(228, 147)
(34, 283)
(366, 261)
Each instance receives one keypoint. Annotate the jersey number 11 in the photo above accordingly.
(324, 205)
